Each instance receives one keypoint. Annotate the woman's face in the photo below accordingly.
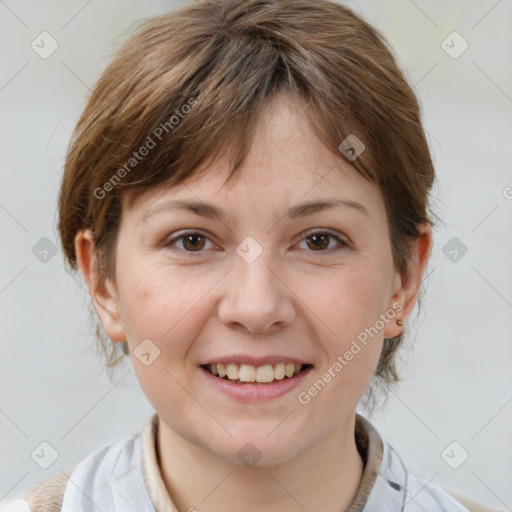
(251, 276)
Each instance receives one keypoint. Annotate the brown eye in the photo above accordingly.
(319, 241)
(193, 242)
(188, 243)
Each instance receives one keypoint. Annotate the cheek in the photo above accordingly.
(347, 301)
(349, 308)
(159, 300)
(163, 313)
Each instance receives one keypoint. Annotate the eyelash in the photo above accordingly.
(169, 243)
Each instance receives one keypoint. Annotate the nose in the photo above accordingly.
(256, 297)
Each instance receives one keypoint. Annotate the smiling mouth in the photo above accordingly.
(246, 373)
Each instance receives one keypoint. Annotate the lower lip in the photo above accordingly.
(250, 392)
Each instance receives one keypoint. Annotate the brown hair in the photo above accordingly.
(197, 77)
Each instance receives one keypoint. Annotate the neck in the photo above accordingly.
(324, 477)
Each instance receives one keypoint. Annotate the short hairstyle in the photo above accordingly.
(197, 78)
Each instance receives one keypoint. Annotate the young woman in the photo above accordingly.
(247, 197)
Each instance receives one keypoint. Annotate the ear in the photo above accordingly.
(102, 291)
(406, 288)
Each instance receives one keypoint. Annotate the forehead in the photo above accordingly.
(286, 163)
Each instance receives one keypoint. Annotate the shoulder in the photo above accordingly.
(49, 494)
(423, 495)
(391, 487)
(429, 496)
(44, 495)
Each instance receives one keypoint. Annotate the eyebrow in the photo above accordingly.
(209, 210)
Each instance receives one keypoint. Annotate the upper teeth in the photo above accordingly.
(250, 373)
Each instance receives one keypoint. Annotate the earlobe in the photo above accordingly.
(101, 291)
(406, 288)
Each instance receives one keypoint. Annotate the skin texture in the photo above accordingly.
(300, 298)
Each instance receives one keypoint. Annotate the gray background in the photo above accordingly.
(458, 383)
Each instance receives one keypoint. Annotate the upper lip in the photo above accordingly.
(256, 361)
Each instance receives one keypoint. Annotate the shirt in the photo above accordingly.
(125, 476)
